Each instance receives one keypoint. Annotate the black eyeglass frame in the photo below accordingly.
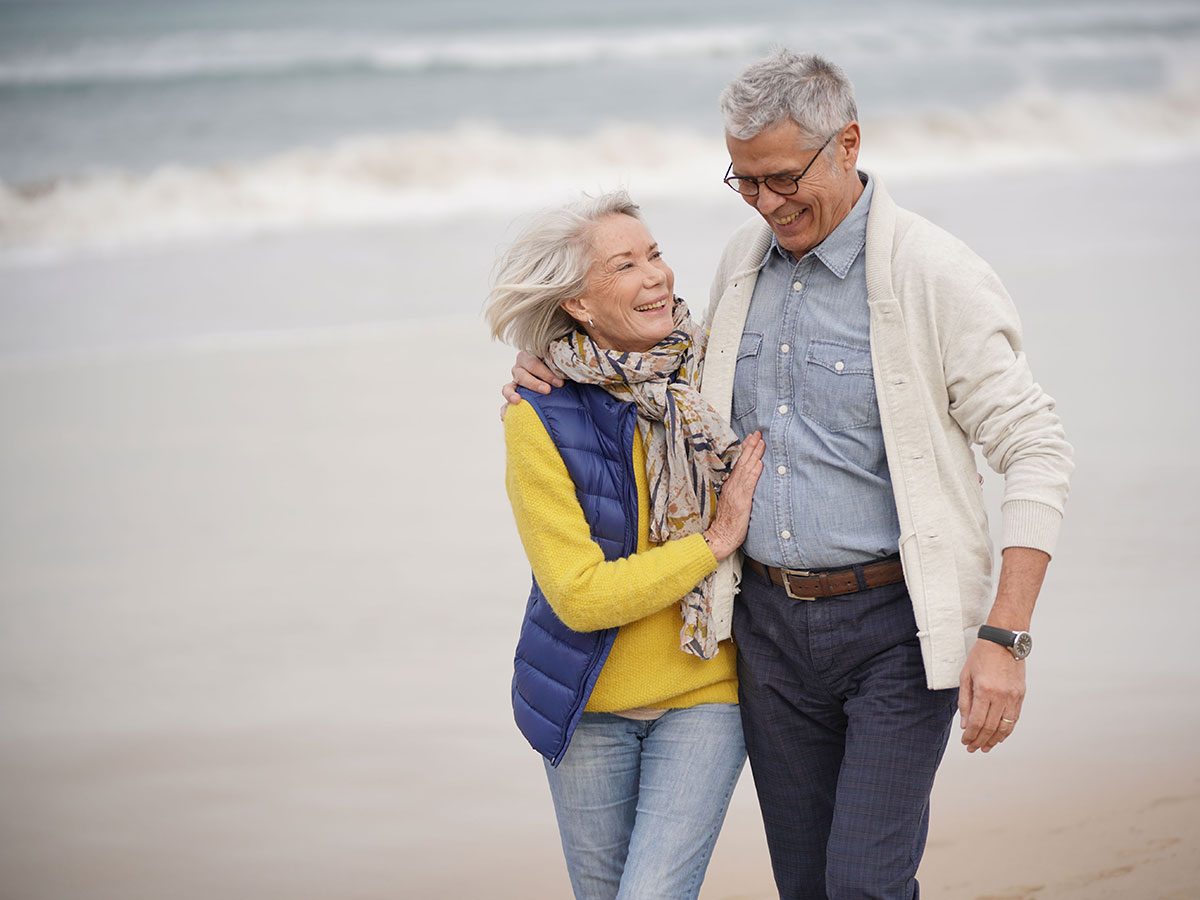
(760, 180)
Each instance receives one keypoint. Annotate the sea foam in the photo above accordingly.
(234, 53)
(473, 169)
(992, 33)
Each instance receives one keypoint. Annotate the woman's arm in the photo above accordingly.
(586, 591)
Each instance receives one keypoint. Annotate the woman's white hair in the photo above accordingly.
(804, 88)
(547, 264)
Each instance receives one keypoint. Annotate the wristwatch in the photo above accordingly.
(1019, 643)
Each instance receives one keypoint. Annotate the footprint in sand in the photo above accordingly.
(1152, 846)
(1022, 892)
(1106, 874)
(1169, 801)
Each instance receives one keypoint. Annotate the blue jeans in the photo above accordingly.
(639, 804)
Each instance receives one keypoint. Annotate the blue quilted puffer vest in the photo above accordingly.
(556, 668)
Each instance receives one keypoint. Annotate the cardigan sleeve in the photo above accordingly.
(586, 591)
(995, 400)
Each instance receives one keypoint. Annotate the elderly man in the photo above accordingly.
(872, 350)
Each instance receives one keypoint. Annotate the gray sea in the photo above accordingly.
(124, 122)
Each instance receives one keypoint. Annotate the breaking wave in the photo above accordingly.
(476, 169)
(233, 54)
(1160, 30)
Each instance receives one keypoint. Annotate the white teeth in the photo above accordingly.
(649, 306)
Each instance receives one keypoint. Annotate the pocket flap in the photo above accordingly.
(840, 359)
(750, 345)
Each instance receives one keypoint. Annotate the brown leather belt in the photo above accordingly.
(802, 584)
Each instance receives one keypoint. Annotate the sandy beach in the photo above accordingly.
(259, 586)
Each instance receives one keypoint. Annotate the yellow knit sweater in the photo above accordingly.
(640, 593)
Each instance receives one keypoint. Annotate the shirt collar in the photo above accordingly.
(841, 248)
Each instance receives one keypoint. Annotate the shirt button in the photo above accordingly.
(797, 285)
(782, 470)
(783, 409)
(838, 366)
(785, 348)
(786, 535)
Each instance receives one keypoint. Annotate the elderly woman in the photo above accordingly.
(614, 477)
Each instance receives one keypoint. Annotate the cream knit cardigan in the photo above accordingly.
(949, 373)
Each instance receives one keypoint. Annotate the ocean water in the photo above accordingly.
(133, 122)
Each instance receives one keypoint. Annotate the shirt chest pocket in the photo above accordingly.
(839, 387)
(745, 376)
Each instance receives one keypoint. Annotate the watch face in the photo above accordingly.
(1022, 645)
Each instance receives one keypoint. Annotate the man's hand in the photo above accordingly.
(990, 694)
(532, 373)
(992, 687)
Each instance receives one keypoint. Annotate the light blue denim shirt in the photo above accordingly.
(804, 379)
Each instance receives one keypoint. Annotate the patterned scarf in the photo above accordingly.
(689, 448)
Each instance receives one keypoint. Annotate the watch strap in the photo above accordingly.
(1001, 636)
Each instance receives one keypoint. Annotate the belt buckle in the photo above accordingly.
(787, 585)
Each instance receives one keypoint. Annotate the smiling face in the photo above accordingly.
(824, 197)
(630, 289)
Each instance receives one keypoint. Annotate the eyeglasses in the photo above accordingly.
(781, 183)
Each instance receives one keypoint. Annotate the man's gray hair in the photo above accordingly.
(547, 264)
(810, 91)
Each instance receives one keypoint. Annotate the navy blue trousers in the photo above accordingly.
(844, 738)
